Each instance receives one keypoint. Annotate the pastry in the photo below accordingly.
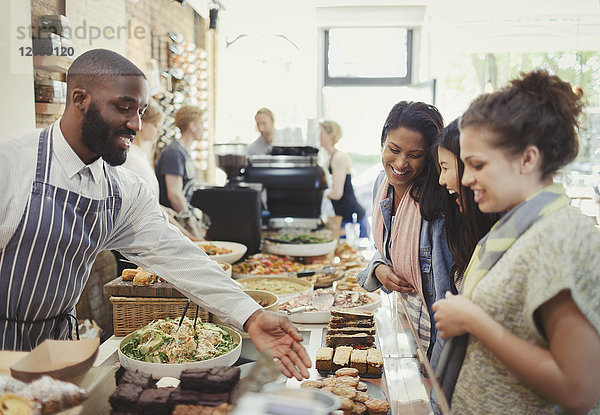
(12, 404)
(358, 360)
(347, 371)
(374, 361)
(344, 391)
(341, 357)
(324, 358)
(377, 406)
(311, 384)
(359, 339)
(347, 381)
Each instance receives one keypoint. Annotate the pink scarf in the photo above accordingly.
(405, 233)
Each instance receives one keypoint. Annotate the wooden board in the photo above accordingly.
(120, 288)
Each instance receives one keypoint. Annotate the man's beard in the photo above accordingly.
(100, 138)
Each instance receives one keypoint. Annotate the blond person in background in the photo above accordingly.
(341, 195)
(265, 124)
(175, 170)
(141, 157)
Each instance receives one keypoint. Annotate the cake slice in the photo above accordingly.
(358, 360)
(352, 315)
(341, 357)
(374, 361)
(359, 339)
(324, 358)
(340, 322)
(351, 330)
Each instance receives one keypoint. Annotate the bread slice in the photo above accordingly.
(358, 360)
(324, 358)
(341, 357)
(359, 339)
(374, 361)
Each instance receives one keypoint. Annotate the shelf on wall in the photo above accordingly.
(49, 108)
(52, 63)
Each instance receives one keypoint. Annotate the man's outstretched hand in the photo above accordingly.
(278, 335)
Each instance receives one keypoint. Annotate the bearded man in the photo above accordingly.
(64, 199)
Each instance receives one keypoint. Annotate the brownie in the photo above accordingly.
(125, 397)
(184, 397)
(213, 380)
(213, 399)
(155, 401)
(135, 378)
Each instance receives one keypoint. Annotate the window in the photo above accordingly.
(351, 57)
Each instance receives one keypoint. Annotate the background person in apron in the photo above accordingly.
(63, 200)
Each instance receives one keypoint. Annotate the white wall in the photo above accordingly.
(272, 65)
(17, 109)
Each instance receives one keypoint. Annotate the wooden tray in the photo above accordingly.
(120, 288)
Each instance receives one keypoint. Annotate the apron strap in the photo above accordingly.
(68, 317)
(42, 171)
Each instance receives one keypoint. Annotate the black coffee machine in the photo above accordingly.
(234, 209)
(293, 180)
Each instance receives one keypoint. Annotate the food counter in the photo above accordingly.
(405, 387)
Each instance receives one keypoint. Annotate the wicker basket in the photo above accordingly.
(132, 313)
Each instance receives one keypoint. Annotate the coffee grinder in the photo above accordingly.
(234, 209)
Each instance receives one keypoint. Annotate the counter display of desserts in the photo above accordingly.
(350, 343)
(356, 396)
(198, 391)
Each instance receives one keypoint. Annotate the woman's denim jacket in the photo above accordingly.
(435, 261)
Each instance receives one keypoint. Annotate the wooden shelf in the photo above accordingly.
(49, 108)
(52, 63)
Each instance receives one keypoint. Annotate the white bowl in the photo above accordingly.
(300, 249)
(159, 370)
(303, 285)
(321, 317)
(237, 250)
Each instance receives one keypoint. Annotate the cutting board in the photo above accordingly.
(120, 288)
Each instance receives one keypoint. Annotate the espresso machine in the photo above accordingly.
(234, 209)
(294, 184)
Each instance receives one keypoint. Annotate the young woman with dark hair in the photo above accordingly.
(530, 299)
(465, 223)
(412, 254)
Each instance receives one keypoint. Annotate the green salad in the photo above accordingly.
(163, 341)
(304, 239)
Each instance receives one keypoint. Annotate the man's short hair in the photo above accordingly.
(186, 115)
(99, 65)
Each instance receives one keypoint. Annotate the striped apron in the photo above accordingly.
(47, 261)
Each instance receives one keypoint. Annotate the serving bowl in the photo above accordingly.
(291, 249)
(268, 300)
(237, 250)
(284, 287)
(159, 370)
(321, 317)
